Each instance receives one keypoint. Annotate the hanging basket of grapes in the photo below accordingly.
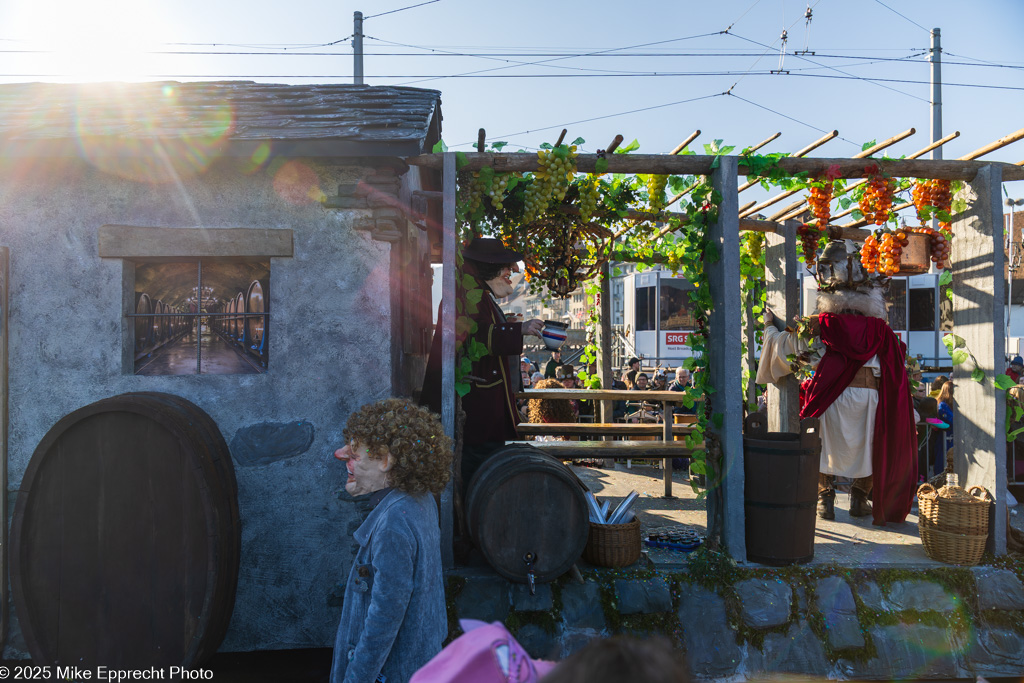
(561, 251)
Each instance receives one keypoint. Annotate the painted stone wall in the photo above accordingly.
(330, 353)
(821, 622)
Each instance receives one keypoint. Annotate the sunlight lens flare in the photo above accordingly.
(150, 132)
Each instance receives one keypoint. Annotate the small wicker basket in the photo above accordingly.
(953, 523)
(613, 545)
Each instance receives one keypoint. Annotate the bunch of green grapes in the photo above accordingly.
(555, 170)
(474, 193)
(497, 190)
(589, 196)
(656, 191)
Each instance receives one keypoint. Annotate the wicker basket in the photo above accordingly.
(953, 523)
(613, 545)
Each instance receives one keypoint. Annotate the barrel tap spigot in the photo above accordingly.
(531, 578)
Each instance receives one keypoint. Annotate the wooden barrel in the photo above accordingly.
(254, 324)
(239, 318)
(125, 537)
(143, 326)
(522, 501)
(780, 491)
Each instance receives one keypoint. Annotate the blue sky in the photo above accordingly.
(856, 43)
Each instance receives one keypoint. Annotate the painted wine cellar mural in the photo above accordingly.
(202, 317)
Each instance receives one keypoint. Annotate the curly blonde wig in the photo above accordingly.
(421, 453)
(550, 409)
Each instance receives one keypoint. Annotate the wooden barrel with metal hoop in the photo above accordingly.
(523, 504)
(780, 491)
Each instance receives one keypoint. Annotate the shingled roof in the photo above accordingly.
(318, 120)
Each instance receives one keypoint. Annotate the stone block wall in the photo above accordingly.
(825, 622)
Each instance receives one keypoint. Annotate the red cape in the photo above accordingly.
(850, 341)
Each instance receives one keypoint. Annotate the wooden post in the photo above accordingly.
(5, 262)
(749, 358)
(604, 353)
(448, 347)
(978, 299)
(783, 298)
(725, 363)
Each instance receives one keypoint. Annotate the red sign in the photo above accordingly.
(676, 339)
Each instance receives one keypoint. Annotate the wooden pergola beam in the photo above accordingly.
(863, 154)
(664, 164)
(801, 153)
(793, 210)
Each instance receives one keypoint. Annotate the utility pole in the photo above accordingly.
(357, 48)
(936, 60)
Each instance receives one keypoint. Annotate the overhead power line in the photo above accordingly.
(904, 16)
(401, 9)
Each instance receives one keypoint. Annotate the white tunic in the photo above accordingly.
(847, 426)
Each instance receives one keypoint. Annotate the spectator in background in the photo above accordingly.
(946, 405)
(937, 385)
(527, 366)
(1016, 369)
(527, 381)
(632, 365)
(640, 384)
(629, 379)
(660, 383)
(681, 380)
(548, 410)
(535, 378)
(552, 365)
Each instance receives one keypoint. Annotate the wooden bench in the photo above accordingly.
(610, 450)
(600, 429)
(665, 449)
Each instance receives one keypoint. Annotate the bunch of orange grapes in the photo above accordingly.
(820, 200)
(877, 199)
(882, 250)
(935, 193)
(809, 235)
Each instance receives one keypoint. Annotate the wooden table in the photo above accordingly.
(666, 449)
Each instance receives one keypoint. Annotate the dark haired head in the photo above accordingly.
(621, 659)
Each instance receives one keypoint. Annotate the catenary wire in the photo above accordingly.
(401, 9)
(904, 16)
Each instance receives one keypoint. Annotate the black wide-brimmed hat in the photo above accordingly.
(490, 250)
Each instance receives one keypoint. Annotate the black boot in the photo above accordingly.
(827, 504)
(859, 505)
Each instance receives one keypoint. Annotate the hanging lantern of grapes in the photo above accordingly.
(561, 251)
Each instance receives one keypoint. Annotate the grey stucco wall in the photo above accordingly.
(330, 353)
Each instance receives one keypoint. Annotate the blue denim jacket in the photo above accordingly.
(393, 620)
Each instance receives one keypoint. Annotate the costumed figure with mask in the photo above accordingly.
(859, 390)
(490, 405)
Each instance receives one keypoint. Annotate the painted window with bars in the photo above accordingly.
(202, 316)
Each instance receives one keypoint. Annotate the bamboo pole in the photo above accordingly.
(664, 164)
(789, 212)
(682, 145)
(993, 146)
(561, 137)
(803, 152)
(859, 155)
(481, 136)
(751, 149)
(615, 144)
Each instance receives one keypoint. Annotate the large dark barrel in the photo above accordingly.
(255, 324)
(522, 501)
(781, 491)
(126, 537)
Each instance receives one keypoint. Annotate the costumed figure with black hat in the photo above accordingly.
(859, 390)
(490, 405)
